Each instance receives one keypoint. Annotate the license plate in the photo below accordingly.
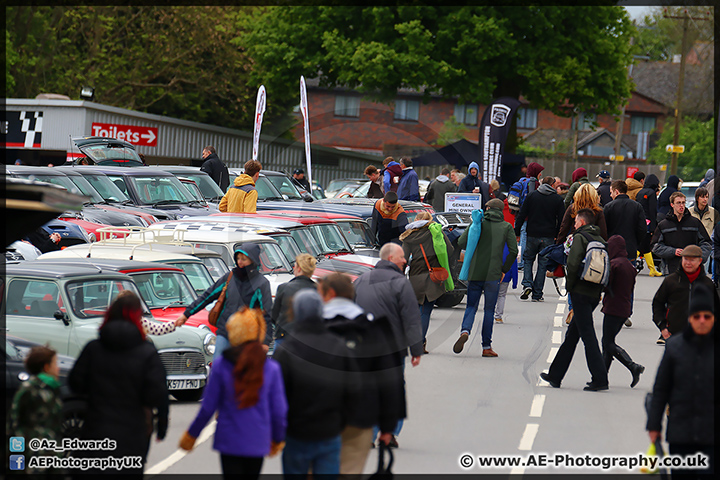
(183, 384)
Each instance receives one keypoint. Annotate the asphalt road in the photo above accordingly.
(467, 404)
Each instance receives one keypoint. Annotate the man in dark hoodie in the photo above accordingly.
(215, 167)
(244, 283)
(647, 197)
(437, 189)
(579, 177)
(544, 212)
(316, 365)
(472, 184)
(585, 297)
(626, 218)
(673, 184)
(532, 173)
(617, 306)
(677, 231)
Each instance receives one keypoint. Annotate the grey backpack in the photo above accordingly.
(596, 265)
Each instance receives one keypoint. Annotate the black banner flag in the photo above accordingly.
(494, 129)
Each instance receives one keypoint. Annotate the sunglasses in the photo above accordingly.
(704, 316)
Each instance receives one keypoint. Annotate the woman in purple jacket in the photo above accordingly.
(246, 389)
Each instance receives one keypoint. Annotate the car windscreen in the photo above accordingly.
(330, 238)
(110, 151)
(266, 190)
(285, 186)
(106, 187)
(288, 245)
(92, 297)
(158, 190)
(216, 266)
(357, 233)
(306, 241)
(198, 275)
(272, 259)
(61, 180)
(207, 185)
(164, 289)
(86, 188)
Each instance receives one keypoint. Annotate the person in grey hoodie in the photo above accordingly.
(437, 189)
(544, 211)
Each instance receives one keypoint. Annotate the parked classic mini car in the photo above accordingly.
(62, 303)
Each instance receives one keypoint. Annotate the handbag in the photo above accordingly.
(437, 274)
(383, 471)
(217, 308)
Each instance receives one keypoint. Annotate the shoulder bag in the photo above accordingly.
(437, 274)
(217, 308)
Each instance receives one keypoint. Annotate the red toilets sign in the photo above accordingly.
(138, 136)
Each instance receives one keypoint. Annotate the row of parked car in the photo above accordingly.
(157, 231)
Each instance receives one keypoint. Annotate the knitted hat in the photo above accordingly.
(692, 251)
(495, 204)
(245, 325)
(701, 299)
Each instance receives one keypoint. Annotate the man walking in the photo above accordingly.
(678, 230)
(670, 303)
(625, 217)
(376, 184)
(215, 167)
(437, 189)
(408, 189)
(604, 188)
(544, 212)
(384, 291)
(585, 297)
(242, 196)
(486, 271)
(381, 393)
(388, 219)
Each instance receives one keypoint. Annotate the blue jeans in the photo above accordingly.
(221, 344)
(523, 238)
(533, 247)
(474, 289)
(322, 456)
(425, 311)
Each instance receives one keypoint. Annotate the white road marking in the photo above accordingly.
(551, 355)
(517, 471)
(179, 454)
(537, 406)
(557, 337)
(528, 437)
(560, 308)
(558, 321)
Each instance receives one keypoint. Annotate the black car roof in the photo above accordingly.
(80, 169)
(56, 269)
(114, 265)
(133, 171)
(83, 141)
(37, 170)
(180, 168)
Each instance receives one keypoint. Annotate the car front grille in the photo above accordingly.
(183, 363)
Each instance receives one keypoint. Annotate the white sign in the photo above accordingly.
(259, 111)
(306, 125)
(463, 202)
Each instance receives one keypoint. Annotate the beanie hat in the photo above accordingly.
(245, 325)
(495, 204)
(692, 251)
(578, 174)
(534, 169)
(307, 306)
(701, 300)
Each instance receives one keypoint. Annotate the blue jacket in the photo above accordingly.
(409, 188)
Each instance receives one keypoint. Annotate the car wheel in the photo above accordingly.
(73, 417)
(449, 300)
(187, 395)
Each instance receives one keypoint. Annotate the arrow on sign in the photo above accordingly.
(150, 136)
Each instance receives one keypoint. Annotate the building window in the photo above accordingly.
(585, 121)
(526, 117)
(466, 114)
(407, 110)
(640, 124)
(346, 106)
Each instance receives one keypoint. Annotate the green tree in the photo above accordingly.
(659, 37)
(554, 56)
(698, 138)
(176, 61)
(451, 132)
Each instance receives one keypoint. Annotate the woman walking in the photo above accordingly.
(246, 389)
(303, 269)
(124, 380)
(426, 246)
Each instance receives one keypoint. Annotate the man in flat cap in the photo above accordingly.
(670, 304)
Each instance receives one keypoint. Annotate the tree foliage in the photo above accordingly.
(451, 132)
(176, 61)
(660, 38)
(697, 137)
(474, 53)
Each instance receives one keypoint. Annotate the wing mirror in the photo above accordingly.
(60, 315)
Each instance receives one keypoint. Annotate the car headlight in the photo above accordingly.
(209, 344)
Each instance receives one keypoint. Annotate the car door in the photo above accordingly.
(30, 307)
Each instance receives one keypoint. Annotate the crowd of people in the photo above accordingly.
(332, 387)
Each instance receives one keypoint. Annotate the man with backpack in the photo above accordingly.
(588, 270)
(519, 191)
(544, 212)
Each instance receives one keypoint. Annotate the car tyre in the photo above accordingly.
(187, 395)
